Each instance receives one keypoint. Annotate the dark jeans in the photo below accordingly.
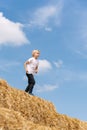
(31, 83)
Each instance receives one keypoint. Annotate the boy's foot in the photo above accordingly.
(31, 94)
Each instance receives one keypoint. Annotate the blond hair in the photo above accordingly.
(35, 51)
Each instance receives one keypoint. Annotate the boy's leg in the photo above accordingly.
(27, 88)
(31, 83)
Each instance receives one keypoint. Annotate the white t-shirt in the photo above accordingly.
(33, 63)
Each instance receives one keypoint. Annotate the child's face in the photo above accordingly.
(36, 55)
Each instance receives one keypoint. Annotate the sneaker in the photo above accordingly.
(31, 94)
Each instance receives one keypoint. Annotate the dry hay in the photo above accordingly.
(21, 111)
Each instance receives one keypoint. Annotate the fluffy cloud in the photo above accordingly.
(44, 66)
(42, 15)
(47, 15)
(58, 64)
(11, 33)
(46, 88)
(5, 66)
(48, 29)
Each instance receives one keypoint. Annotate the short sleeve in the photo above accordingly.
(37, 63)
(30, 59)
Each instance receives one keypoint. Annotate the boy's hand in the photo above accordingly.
(26, 71)
(36, 71)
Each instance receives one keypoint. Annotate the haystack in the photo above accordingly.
(21, 111)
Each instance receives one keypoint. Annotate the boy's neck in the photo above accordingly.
(35, 57)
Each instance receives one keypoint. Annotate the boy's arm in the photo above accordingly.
(25, 65)
(36, 69)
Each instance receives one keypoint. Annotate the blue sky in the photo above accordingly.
(58, 28)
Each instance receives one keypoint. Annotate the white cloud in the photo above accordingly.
(50, 14)
(46, 88)
(79, 41)
(79, 45)
(83, 23)
(81, 53)
(71, 76)
(44, 66)
(13, 63)
(6, 65)
(48, 29)
(82, 29)
(58, 64)
(11, 33)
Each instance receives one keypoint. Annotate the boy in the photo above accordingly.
(31, 67)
